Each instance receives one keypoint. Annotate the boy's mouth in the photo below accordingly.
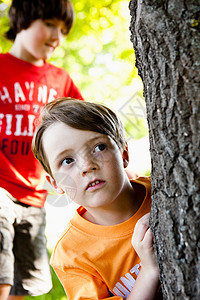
(95, 183)
(50, 46)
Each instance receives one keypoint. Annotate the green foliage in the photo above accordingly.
(147, 173)
(4, 24)
(98, 54)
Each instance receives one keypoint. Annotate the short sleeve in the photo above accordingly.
(81, 285)
(71, 90)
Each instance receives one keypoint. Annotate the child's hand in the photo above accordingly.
(147, 282)
(142, 241)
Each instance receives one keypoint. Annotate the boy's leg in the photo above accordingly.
(7, 219)
(4, 291)
(16, 297)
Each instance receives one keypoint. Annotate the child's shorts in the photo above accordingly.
(24, 261)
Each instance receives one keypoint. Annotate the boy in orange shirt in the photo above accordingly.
(105, 251)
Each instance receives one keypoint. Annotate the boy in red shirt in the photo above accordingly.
(105, 251)
(27, 83)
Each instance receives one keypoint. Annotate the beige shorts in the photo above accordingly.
(24, 261)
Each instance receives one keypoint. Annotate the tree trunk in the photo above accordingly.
(166, 39)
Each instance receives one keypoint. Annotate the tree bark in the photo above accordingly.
(166, 39)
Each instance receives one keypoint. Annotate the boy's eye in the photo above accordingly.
(67, 161)
(100, 147)
(49, 24)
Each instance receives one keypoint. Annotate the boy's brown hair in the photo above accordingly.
(23, 12)
(79, 115)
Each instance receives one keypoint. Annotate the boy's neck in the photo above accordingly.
(130, 203)
(25, 56)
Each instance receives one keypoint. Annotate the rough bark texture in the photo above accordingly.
(166, 39)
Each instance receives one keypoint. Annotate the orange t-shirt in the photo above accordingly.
(98, 262)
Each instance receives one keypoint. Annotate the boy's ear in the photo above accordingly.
(54, 184)
(125, 156)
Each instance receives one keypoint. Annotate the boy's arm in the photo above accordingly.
(71, 90)
(147, 282)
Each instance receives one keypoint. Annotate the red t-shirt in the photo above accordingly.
(24, 90)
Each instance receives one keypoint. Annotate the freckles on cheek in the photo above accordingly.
(105, 159)
(67, 183)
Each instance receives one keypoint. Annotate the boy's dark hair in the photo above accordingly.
(23, 12)
(79, 115)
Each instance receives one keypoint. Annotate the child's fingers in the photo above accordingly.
(141, 226)
(148, 238)
(140, 230)
(142, 241)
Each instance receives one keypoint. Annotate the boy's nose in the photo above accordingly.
(87, 171)
(88, 165)
(56, 34)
